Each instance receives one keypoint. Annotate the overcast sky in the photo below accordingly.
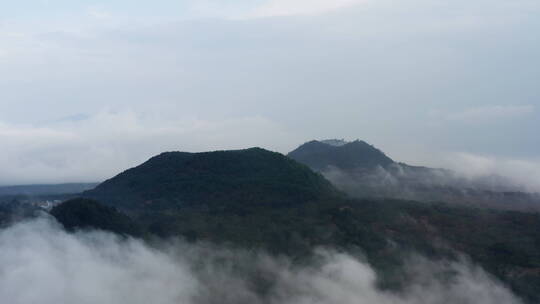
(90, 88)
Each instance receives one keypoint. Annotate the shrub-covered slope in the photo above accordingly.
(88, 214)
(176, 180)
(505, 243)
(259, 199)
(357, 154)
(363, 171)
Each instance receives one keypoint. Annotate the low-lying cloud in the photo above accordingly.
(523, 174)
(96, 147)
(41, 263)
(475, 180)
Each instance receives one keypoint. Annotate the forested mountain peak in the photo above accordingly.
(177, 179)
(320, 155)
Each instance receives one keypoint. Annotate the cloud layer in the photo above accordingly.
(491, 114)
(100, 146)
(40, 263)
(92, 148)
(418, 77)
(522, 173)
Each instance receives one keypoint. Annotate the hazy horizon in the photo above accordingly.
(91, 88)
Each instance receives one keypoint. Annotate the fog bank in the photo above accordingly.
(41, 263)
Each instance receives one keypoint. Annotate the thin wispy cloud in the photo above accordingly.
(522, 172)
(95, 147)
(99, 13)
(43, 263)
(495, 113)
(276, 8)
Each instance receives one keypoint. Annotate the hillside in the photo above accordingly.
(258, 199)
(363, 171)
(319, 155)
(87, 214)
(175, 180)
(506, 244)
(13, 211)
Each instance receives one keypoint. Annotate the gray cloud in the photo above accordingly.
(520, 172)
(487, 114)
(373, 70)
(96, 147)
(40, 263)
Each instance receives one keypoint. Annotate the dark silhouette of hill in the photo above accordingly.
(357, 154)
(88, 214)
(177, 179)
(363, 171)
(258, 199)
(505, 243)
(13, 211)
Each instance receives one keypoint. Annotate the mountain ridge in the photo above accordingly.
(319, 155)
(257, 199)
(176, 179)
(363, 171)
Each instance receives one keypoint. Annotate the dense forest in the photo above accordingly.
(259, 199)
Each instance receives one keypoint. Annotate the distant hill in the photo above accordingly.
(362, 170)
(13, 211)
(88, 214)
(177, 179)
(53, 189)
(319, 155)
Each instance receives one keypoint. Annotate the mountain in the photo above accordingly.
(320, 155)
(329, 154)
(257, 199)
(175, 180)
(362, 170)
